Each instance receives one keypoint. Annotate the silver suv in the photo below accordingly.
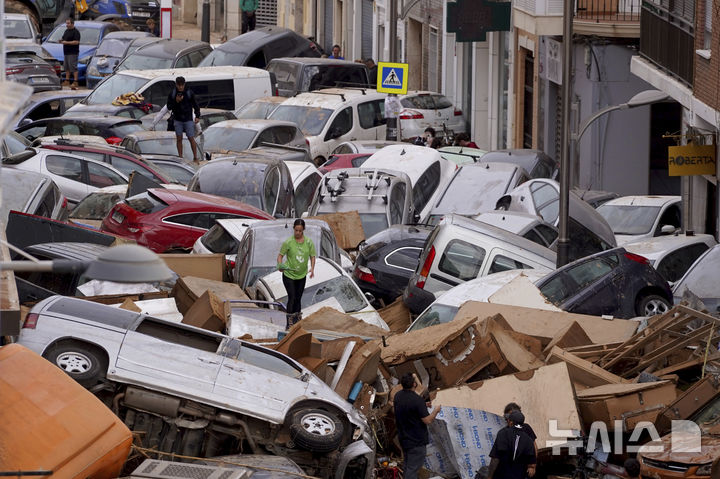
(382, 197)
(199, 387)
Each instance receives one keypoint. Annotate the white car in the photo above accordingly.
(330, 285)
(19, 29)
(446, 306)
(634, 218)
(526, 225)
(363, 146)
(423, 109)
(240, 135)
(334, 115)
(701, 281)
(305, 177)
(76, 176)
(672, 255)
(259, 109)
(429, 173)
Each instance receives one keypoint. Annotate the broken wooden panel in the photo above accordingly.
(396, 315)
(689, 403)
(629, 403)
(583, 374)
(544, 394)
(569, 336)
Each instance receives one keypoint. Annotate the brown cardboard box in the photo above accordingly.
(347, 227)
(189, 288)
(396, 315)
(208, 312)
(208, 266)
(629, 403)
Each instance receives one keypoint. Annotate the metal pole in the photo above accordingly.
(567, 142)
(205, 32)
(392, 19)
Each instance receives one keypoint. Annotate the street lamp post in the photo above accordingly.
(644, 98)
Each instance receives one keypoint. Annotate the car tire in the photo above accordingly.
(83, 362)
(651, 305)
(316, 430)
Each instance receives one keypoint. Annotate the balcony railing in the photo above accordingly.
(667, 37)
(608, 10)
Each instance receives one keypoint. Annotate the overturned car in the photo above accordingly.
(198, 393)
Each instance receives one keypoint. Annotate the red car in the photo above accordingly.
(171, 220)
(345, 160)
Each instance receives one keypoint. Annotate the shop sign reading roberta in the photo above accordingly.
(691, 160)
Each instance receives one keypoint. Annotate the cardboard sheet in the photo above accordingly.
(330, 319)
(543, 394)
(520, 291)
(347, 227)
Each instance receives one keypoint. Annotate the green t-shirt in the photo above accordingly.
(297, 257)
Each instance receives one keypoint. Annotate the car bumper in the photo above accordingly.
(417, 299)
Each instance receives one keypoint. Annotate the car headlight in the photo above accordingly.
(93, 71)
(84, 61)
(704, 469)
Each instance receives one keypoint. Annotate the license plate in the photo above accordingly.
(39, 80)
(141, 14)
(118, 217)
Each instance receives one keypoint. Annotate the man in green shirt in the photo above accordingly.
(298, 249)
(248, 8)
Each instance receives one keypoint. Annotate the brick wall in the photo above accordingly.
(707, 71)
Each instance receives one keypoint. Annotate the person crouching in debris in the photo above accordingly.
(513, 451)
(298, 250)
(411, 419)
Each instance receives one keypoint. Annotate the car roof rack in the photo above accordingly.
(335, 188)
(321, 92)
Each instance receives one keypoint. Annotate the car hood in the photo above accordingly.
(623, 239)
(56, 50)
(682, 447)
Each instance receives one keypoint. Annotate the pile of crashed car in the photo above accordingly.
(436, 262)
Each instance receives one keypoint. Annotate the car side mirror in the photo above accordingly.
(25, 121)
(370, 297)
(667, 229)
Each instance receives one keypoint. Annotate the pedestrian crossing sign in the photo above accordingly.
(392, 78)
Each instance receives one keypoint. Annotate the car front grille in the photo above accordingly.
(668, 466)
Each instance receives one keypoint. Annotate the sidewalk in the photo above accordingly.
(190, 31)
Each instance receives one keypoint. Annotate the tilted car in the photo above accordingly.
(298, 74)
(153, 145)
(30, 192)
(201, 386)
(48, 104)
(535, 162)
(700, 280)
(423, 109)
(633, 218)
(112, 128)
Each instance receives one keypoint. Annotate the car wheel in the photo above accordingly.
(316, 430)
(84, 363)
(651, 305)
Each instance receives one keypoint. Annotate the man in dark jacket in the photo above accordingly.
(181, 102)
(513, 451)
(411, 419)
(71, 49)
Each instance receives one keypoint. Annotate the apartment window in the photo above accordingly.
(708, 24)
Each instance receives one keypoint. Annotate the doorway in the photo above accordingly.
(414, 54)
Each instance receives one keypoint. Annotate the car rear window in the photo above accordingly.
(124, 129)
(145, 203)
(442, 102)
(421, 102)
(285, 73)
(218, 240)
(99, 313)
(462, 260)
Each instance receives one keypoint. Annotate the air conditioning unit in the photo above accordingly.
(156, 469)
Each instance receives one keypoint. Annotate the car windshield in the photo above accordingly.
(435, 314)
(138, 61)
(629, 219)
(222, 57)
(164, 146)
(461, 195)
(112, 47)
(340, 288)
(88, 36)
(176, 171)
(219, 138)
(113, 87)
(96, 206)
(373, 223)
(17, 29)
(311, 120)
(255, 110)
(700, 279)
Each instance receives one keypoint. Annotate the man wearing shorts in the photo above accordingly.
(71, 48)
(181, 103)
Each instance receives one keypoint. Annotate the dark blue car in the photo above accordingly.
(91, 34)
(113, 48)
(613, 282)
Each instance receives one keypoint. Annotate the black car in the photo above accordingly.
(295, 75)
(258, 47)
(112, 128)
(613, 282)
(386, 260)
(108, 109)
(166, 53)
(260, 182)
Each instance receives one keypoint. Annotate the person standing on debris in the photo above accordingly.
(71, 49)
(298, 250)
(513, 451)
(181, 102)
(412, 418)
(248, 8)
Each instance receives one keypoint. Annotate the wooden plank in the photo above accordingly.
(581, 371)
(571, 335)
(685, 365)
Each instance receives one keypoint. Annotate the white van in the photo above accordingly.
(334, 115)
(223, 87)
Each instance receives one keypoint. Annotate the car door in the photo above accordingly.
(597, 287)
(371, 118)
(258, 381)
(169, 357)
(672, 216)
(100, 176)
(460, 261)
(675, 264)
(304, 193)
(67, 172)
